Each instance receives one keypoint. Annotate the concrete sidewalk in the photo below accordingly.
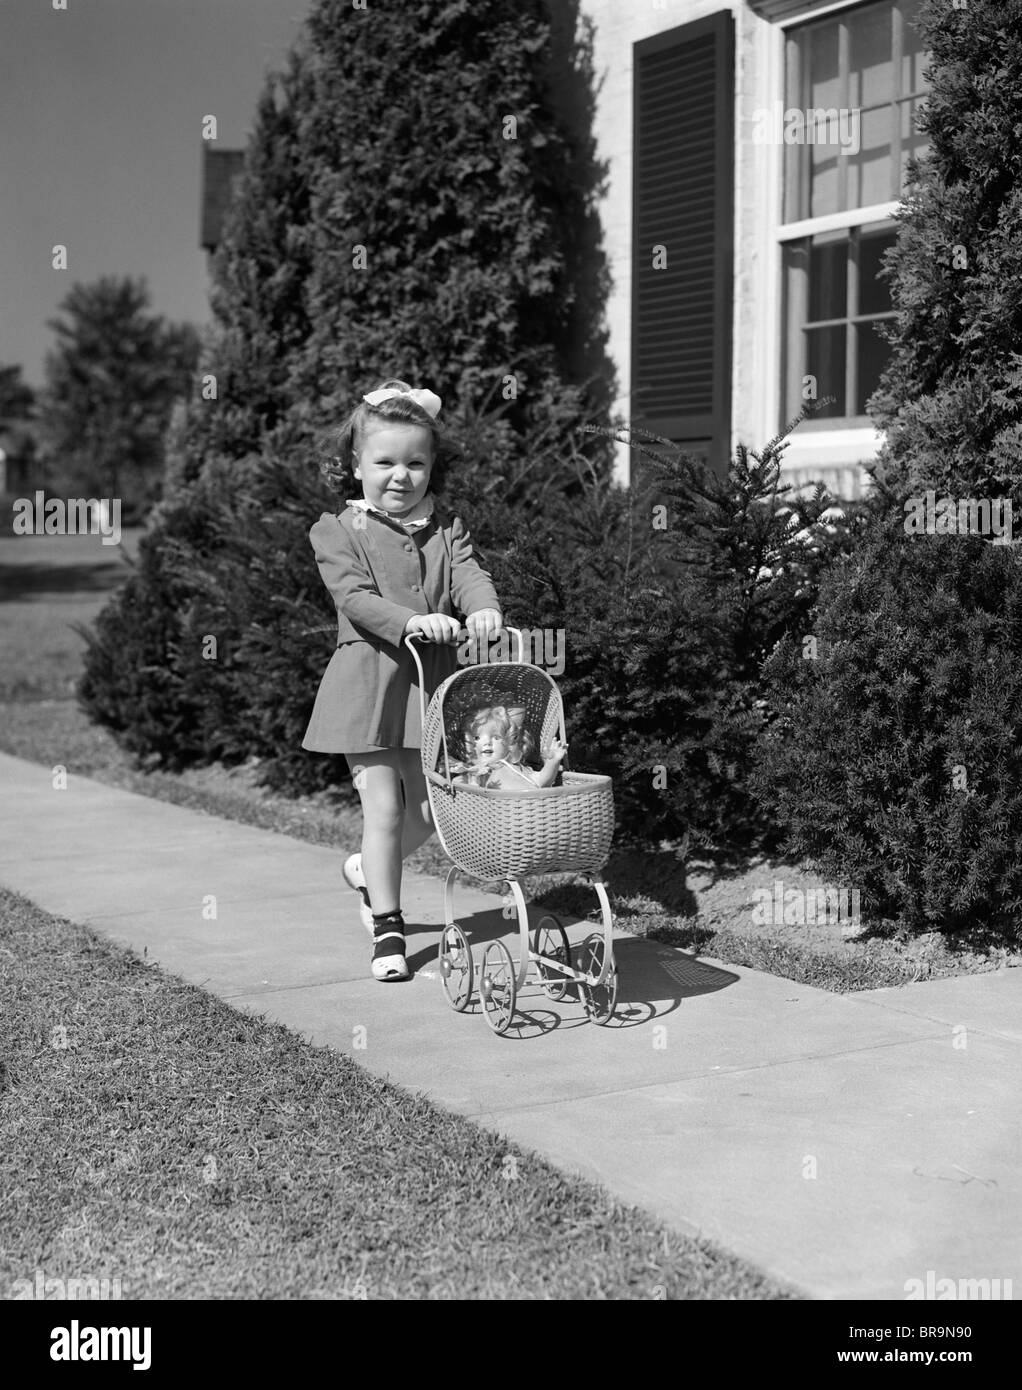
(847, 1144)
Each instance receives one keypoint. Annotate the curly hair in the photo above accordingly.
(342, 442)
(509, 724)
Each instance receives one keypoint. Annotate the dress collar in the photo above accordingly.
(416, 525)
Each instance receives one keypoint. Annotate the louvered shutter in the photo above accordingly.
(683, 201)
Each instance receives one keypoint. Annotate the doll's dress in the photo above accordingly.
(496, 778)
(518, 778)
(468, 775)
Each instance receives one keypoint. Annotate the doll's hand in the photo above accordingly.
(556, 753)
(435, 627)
(486, 623)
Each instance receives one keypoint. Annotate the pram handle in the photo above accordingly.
(462, 634)
(410, 641)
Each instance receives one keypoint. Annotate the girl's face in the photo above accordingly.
(490, 745)
(393, 465)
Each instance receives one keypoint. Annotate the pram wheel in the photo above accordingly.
(550, 939)
(498, 987)
(599, 999)
(455, 959)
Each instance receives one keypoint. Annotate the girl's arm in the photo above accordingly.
(354, 592)
(471, 587)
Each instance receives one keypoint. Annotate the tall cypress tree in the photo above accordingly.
(418, 199)
(951, 397)
(448, 196)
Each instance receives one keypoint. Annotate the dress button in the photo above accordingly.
(409, 546)
(415, 588)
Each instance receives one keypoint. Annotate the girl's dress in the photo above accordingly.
(380, 573)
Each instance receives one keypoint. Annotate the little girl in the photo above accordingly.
(394, 565)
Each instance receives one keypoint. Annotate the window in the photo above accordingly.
(835, 305)
(856, 80)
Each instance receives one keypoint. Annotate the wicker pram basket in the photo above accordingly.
(491, 833)
(510, 834)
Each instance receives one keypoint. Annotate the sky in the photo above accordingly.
(101, 110)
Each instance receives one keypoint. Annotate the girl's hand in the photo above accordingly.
(435, 627)
(484, 624)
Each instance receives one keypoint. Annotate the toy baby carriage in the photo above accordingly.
(497, 834)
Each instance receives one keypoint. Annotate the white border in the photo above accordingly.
(836, 221)
(810, 14)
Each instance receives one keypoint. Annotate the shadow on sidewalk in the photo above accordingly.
(653, 980)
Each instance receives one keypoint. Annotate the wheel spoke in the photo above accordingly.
(497, 986)
(599, 1000)
(456, 971)
(550, 939)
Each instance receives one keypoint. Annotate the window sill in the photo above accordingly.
(834, 457)
(848, 444)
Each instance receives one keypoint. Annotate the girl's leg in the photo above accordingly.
(396, 818)
(377, 777)
(418, 823)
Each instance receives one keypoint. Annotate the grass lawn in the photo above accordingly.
(46, 583)
(154, 1136)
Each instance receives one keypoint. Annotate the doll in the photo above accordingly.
(498, 743)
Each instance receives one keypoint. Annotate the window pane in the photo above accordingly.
(871, 354)
(823, 177)
(874, 293)
(828, 278)
(871, 74)
(825, 360)
(869, 171)
(866, 91)
(820, 61)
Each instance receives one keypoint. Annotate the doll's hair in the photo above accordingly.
(341, 443)
(509, 723)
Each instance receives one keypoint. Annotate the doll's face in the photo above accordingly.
(490, 745)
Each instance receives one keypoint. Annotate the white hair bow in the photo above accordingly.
(429, 400)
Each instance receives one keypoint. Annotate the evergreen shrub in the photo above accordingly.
(667, 617)
(894, 756)
(950, 399)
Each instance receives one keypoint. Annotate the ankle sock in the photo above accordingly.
(388, 934)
